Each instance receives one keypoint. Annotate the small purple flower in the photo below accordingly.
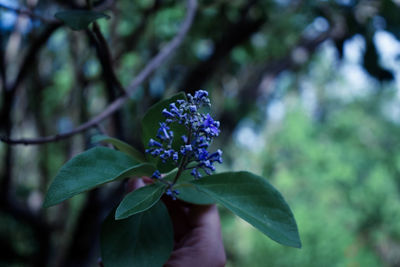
(172, 193)
(202, 154)
(210, 126)
(201, 129)
(216, 156)
(167, 114)
(163, 131)
(200, 94)
(155, 152)
(185, 149)
(156, 175)
(184, 139)
(153, 142)
(192, 108)
(174, 109)
(195, 173)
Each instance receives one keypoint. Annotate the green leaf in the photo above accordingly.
(144, 239)
(90, 169)
(79, 19)
(139, 200)
(253, 199)
(187, 191)
(190, 193)
(121, 146)
(142, 169)
(151, 124)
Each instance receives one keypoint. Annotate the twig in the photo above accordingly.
(117, 104)
(105, 58)
(32, 53)
(167, 50)
(27, 12)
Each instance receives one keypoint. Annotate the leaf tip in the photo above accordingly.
(118, 216)
(298, 244)
(47, 203)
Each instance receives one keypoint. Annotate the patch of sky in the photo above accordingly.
(389, 52)
(157, 86)
(7, 17)
(356, 81)
(283, 2)
(247, 137)
(353, 49)
(91, 68)
(308, 96)
(259, 40)
(204, 49)
(345, 2)
(379, 22)
(315, 28)
(276, 110)
(389, 49)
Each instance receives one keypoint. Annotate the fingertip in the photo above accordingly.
(147, 180)
(134, 184)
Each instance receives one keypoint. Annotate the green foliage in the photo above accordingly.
(139, 200)
(187, 191)
(79, 19)
(253, 199)
(191, 194)
(144, 239)
(90, 169)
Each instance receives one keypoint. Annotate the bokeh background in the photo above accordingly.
(307, 92)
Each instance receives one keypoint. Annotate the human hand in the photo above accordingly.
(197, 233)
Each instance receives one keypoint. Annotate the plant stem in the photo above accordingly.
(182, 167)
(180, 170)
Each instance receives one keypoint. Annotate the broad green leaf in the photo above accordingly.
(90, 169)
(139, 200)
(144, 239)
(142, 169)
(191, 194)
(256, 201)
(187, 191)
(79, 19)
(121, 146)
(151, 124)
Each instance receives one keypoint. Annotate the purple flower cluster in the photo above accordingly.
(201, 129)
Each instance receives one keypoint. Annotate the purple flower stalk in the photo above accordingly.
(201, 129)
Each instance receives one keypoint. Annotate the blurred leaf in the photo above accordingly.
(144, 239)
(256, 201)
(120, 145)
(90, 169)
(151, 124)
(79, 19)
(139, 200)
